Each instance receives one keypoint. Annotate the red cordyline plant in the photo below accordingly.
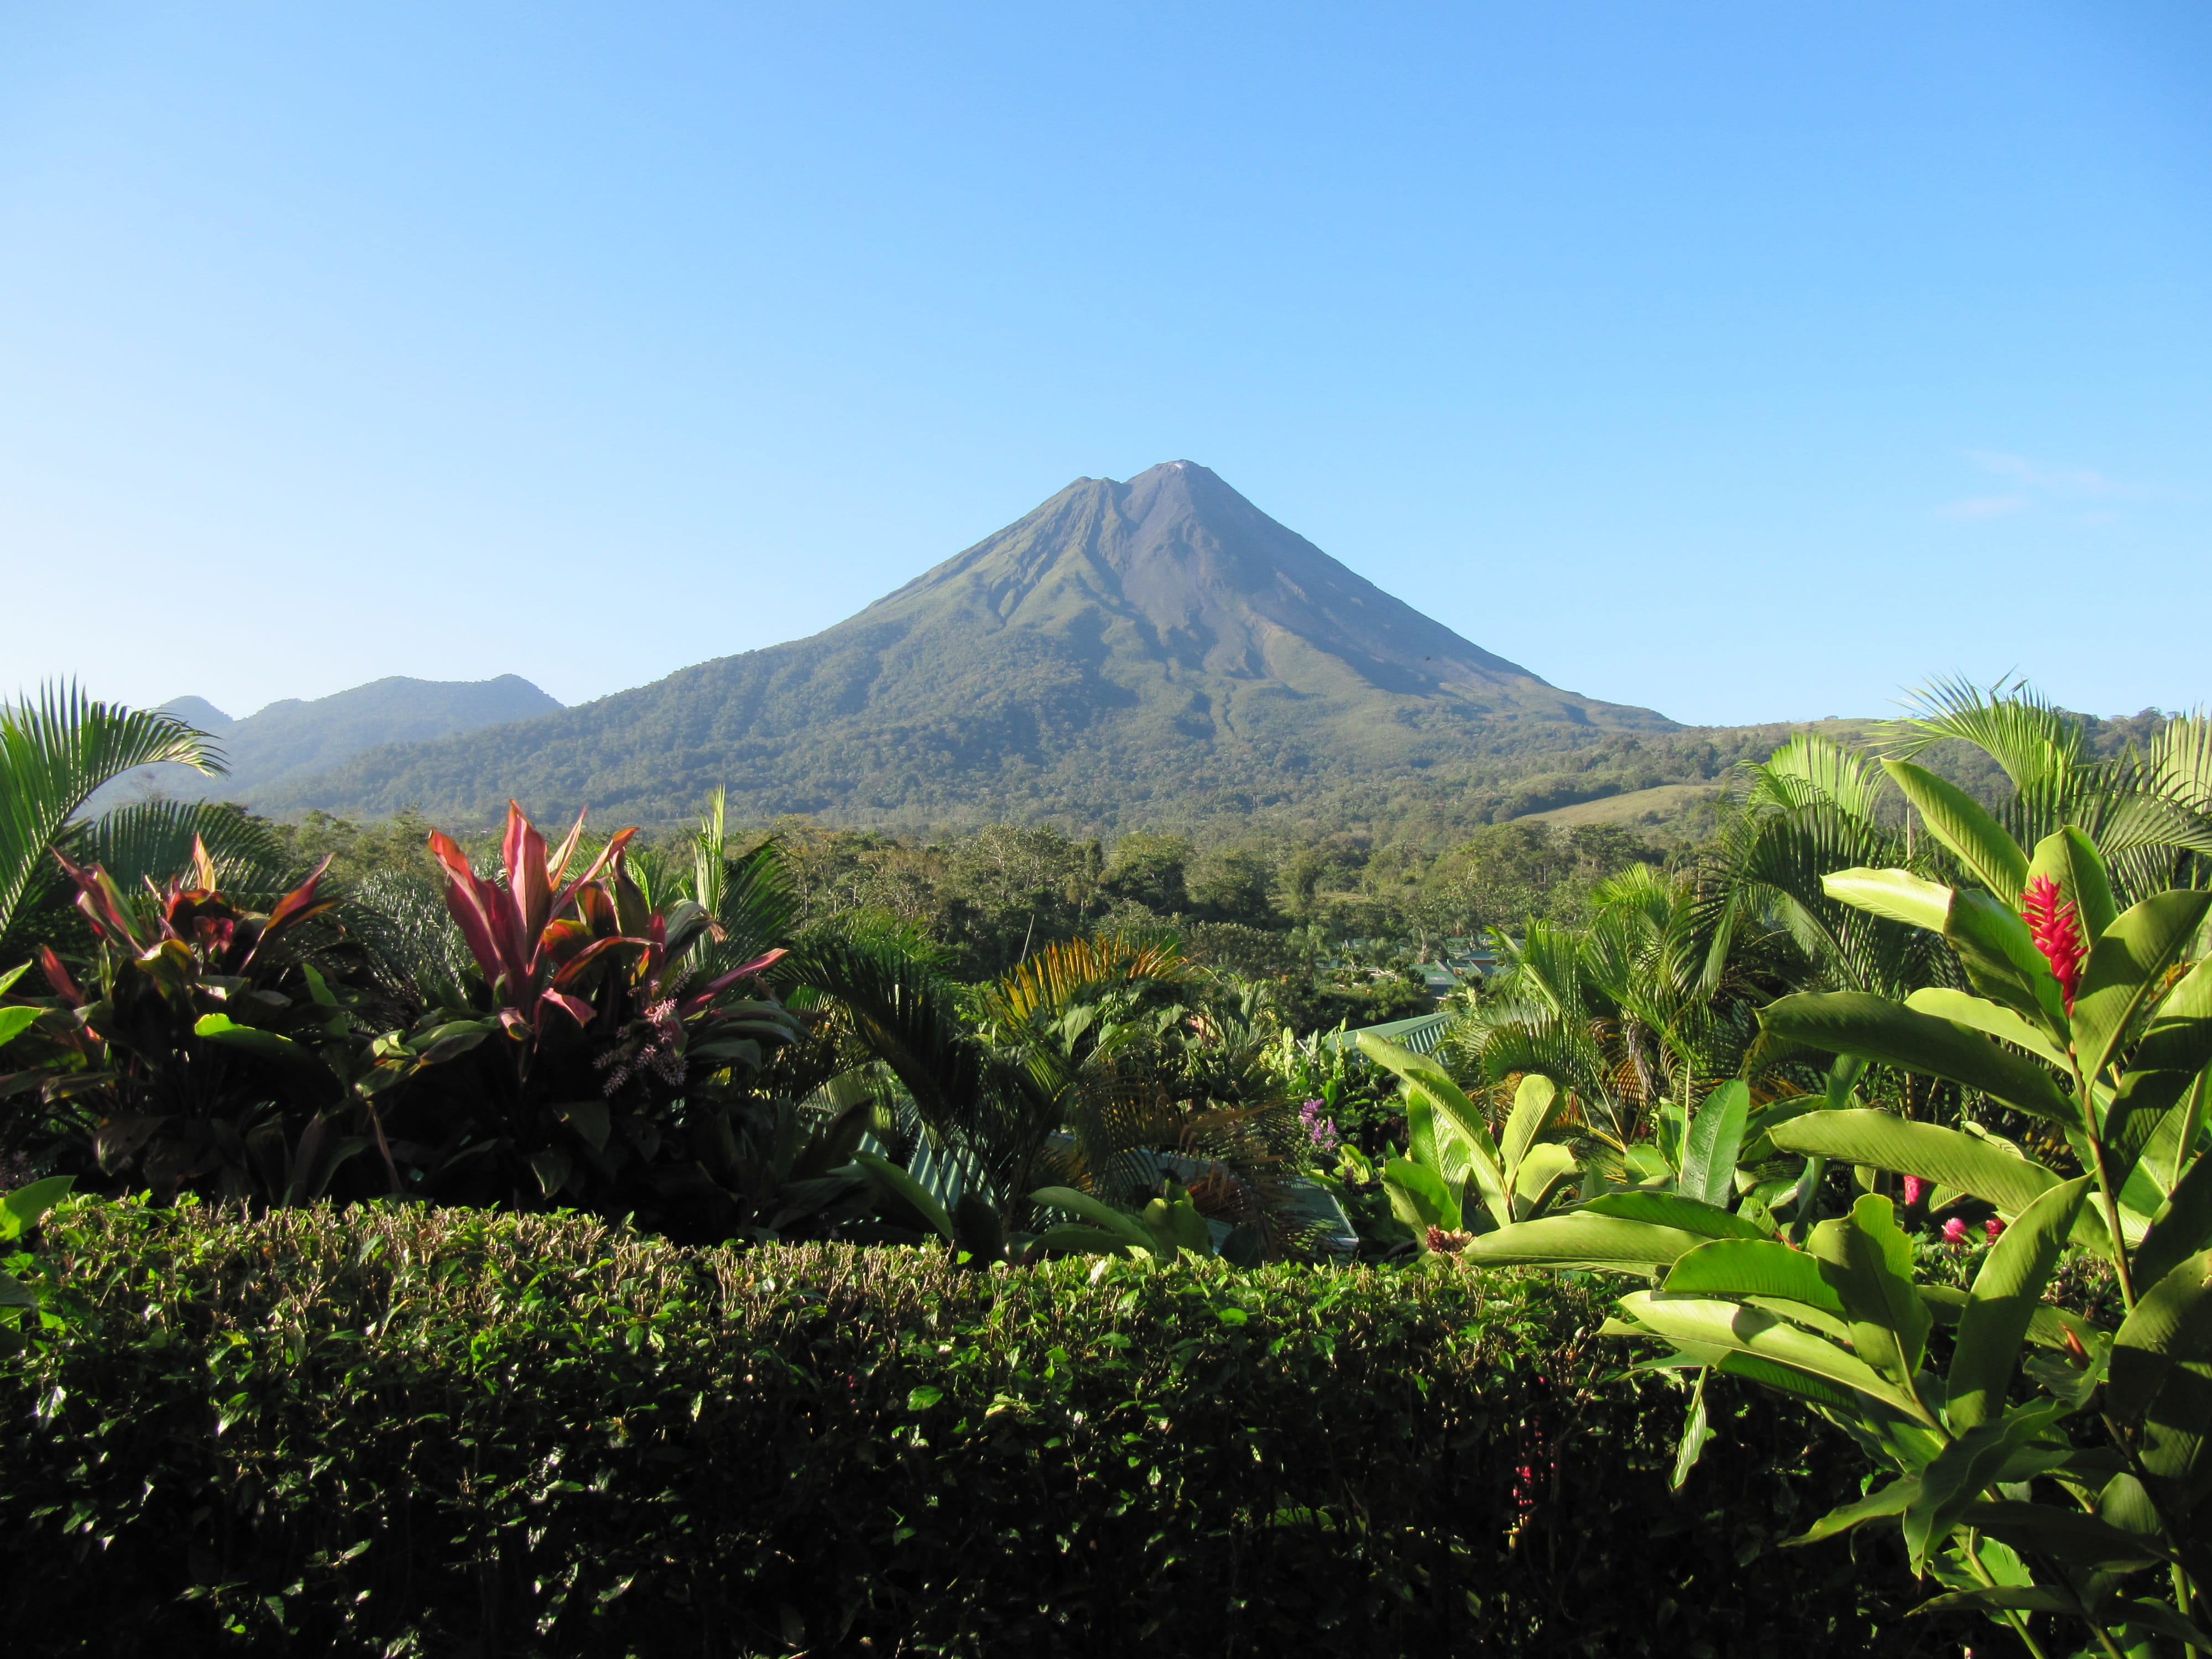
(614, 1058)
(199, 1039)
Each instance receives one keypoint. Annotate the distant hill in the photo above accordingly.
(1149, 653)
(295, 739)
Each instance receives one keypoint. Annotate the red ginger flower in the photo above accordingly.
(2057, 929)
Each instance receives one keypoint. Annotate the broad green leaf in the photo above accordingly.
(1087, 1241)
(1539, 1176)
(1674, 1210)
(1709, 1151)
(1966, 826)
(2147, 1108)
(1425, 1074)
(2070, 858)
(1582, 1239)
(1422, 1076)
(1992, 1598)
(2126, 962)
(900, 1183)
(1998, 952)
(24, 1208)
(15, 1294)
(1696, 1430)
(1798, 1385)
(1927, 1150)
(2171, 1325)
(300, 1063)
(1419, 1197)
(1747, 1268)
(2157, 1616)
(1537, 1105)
(2066, 1536)
(1733, 1327)
(1990, 1018)
(1096, 1211)
(2178, 1037)
(2007, 1291)
(1874, 1028)
(1895, 894)
(1892, 1499)
(14, 1022)
(1868, 1261)
(2182, 1229)
(1964, 1469)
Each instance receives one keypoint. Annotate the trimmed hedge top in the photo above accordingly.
(394, 1430)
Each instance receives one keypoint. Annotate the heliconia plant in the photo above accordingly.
(2055, 1457)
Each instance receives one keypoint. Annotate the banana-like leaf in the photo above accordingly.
(26, 1206)
(1896, 895)
(1927, 1150)
(1892, 1499)
(1874, 1028)
(1709, 1150)
(1756, 1270)
(1537, 1103)
(2159, 1375)
(2126, 962)
(1420, 1198)
(14, 1022)
(900, 1183)
(1990, 1018)
(1964, 1469)
(1581, 1239)
(1538, 1177)
(1422, 1075)
(1673, 1209)
(2183, 1228)
(2001, 1598)
(1733, 1327)
(1869, 1260)
(299, 1063)
(2067, 1536)
(1085, 1240)
(2071, 862)
(1964, 825)
(2007, 1291)
(2002, 961)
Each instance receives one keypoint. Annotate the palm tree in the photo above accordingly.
(54, 754)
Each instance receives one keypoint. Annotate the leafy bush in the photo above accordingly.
(397, 1430)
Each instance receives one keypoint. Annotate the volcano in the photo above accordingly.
(1128, 652)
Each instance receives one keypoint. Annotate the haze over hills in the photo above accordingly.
(294, 738)
(1152, 651)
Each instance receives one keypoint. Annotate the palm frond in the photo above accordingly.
(54, 753)
(2023, 732)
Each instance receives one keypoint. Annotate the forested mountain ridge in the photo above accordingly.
(297, 737)
(1157, 651)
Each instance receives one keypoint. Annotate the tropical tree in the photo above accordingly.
(54, 753)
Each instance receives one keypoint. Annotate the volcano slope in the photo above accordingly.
(1155, 651)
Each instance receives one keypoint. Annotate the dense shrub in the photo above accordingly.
(397, 1431)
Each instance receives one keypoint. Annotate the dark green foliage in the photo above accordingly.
(400, 1431)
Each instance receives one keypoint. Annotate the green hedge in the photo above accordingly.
(394, 1432)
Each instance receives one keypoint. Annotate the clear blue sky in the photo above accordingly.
(1744, 360)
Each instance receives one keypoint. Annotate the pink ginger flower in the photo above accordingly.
(1914, 1186)
(1993, 1227)
(2057, 930)
(1954, 1231)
